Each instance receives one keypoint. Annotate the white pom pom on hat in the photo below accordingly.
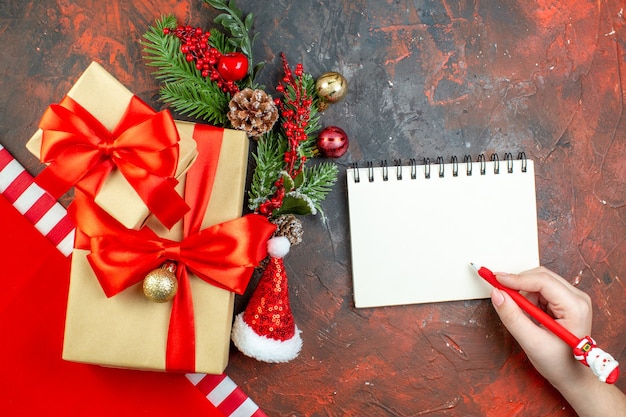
(278, 246)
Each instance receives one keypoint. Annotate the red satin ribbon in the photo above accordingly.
(82, 152)
(224, 255)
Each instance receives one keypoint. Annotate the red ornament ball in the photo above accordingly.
(233, 66)
(332, 142)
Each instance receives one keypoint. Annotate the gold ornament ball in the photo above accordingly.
(160, 285)
(331, 87)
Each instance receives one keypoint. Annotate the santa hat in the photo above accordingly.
(266, 329)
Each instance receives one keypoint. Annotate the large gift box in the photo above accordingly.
(110, 321)
(148, 150)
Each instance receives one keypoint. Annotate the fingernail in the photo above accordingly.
(497, 298)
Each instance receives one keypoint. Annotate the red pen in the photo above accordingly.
(603, 365)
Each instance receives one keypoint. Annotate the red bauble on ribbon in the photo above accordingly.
(332, 142)
(233, 66)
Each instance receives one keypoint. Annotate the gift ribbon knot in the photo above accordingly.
(82, 152)
(172, 252)
(106, 148)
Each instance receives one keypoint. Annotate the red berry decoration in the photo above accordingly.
(332, 142)
(194, 45)
(295, 111)
(233, 66)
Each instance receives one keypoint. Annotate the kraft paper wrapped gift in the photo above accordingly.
(105, 98)
(127, 330)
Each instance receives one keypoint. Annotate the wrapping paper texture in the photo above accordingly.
(128, 330)
(107, 99)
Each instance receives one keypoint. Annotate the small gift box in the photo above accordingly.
(109, 319)
(104, 140)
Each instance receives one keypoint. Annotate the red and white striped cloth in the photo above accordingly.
(51, 219)
(226, 395)
(44, 212)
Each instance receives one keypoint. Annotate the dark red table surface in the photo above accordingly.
(426, 79)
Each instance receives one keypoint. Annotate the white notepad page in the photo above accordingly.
(412, 239)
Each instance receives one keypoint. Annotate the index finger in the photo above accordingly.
(563, 300)
(541, 280)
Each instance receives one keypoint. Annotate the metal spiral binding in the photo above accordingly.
(483, 164)
(467, 160)
(441, 166)
(398, 164)
(383, 164)
(522, 156)
(357, 176)
(427, 168)
(508, 157)
(496, 165)
(370, 170)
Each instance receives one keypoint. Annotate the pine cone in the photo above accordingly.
(290, 227)
(253, 111)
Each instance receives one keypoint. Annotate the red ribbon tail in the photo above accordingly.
(181, 338)
(165, 203)
(49, 181)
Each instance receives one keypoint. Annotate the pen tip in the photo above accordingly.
(474, 266)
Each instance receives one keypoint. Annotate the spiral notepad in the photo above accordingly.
(415, 228)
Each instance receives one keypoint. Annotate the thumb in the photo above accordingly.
(513, 317)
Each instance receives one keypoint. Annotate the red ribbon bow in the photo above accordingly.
(82, 152)
(223, 255)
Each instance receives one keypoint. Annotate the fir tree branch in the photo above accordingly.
(319, 180)
(220, 42)
(162, 51)
(183, 88)
(200, 100)
(269, 164)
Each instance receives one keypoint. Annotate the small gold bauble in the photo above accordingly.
(331, 87)
(160, 285)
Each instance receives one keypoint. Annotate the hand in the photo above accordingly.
(567, 304)
(552, 357)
